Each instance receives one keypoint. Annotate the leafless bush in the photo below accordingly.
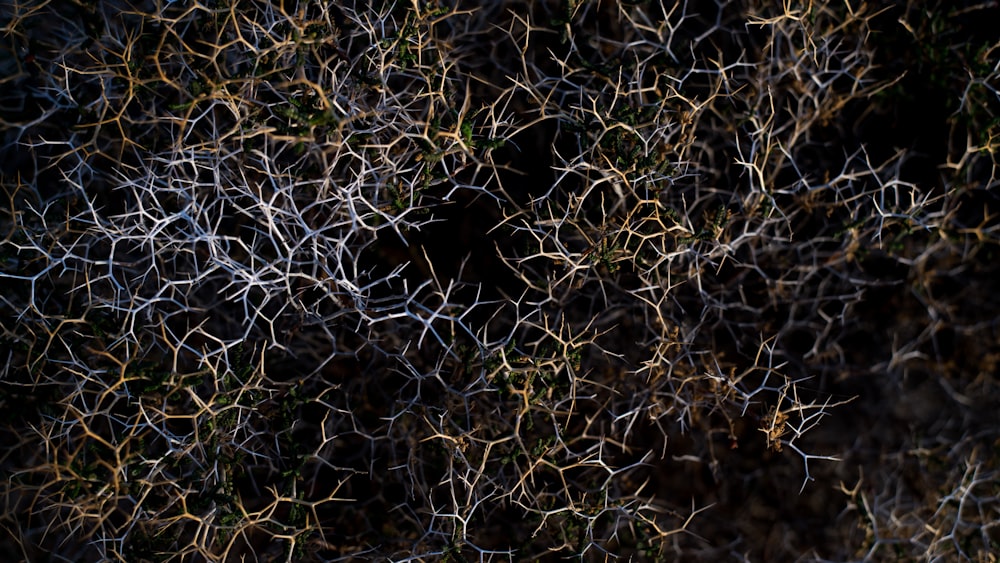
(497, 281)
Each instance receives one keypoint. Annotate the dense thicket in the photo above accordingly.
(509, 280)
